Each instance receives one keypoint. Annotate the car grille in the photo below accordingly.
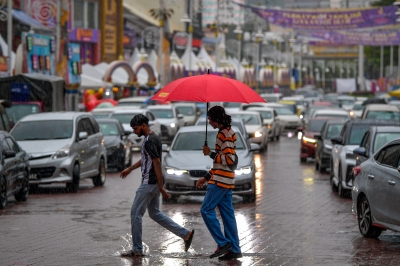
(197, 173)
(44, 172)
(31, 158)
(164, 131)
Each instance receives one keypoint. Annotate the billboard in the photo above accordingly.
(39, 53)
(74, 64)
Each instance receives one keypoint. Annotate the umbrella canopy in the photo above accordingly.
(207, 88)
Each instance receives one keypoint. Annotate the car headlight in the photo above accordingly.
(301, 116)
(257, 134)
(351, 113)
(172, 125)
(243, 170)
(173, 171)
(309, 140)
(63, 152)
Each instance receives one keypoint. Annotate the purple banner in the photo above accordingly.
(369, 38)
(328, 20)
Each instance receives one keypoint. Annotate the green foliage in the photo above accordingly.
(383, 3)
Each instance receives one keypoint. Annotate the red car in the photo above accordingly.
(308, 143)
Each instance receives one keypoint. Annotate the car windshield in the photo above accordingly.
(109, 129)
(358, 107)
(346, 101)
(163, 113)
(266, 114)
(385, 115)
(99, 115)
(190, 141)
(248, 119)
(43, 130)
(311, 109)
(231, 105)
(383, 138)
(316, 125)
(18, 111)
(234, 123)
(356, 134)
(283, 111)
(333, 131)
(137, 104)
(332, 115)
(271, 99)
(186, 110)
(124, 118)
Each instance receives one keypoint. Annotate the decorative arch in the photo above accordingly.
(152, 81)
(117, 64)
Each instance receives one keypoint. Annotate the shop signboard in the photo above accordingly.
(110, 34)
(74, 64)
(39, 53)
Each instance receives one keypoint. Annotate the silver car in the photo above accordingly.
(185, 163)
(64, 147)
(375, 194)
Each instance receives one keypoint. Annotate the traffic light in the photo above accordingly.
(29, 43)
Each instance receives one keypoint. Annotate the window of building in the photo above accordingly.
(85, 14)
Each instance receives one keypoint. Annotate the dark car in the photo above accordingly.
(14, 169)
(342, 156)
(117, 143)
(374, 139)
(331, 129)
(308, 142)
(375, 194)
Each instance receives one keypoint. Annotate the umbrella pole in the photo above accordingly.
(205, 142)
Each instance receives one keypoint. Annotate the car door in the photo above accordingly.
(365, 143)
(20, 154)
(381, 184)
(94, 142)
(9, 166)
(83, 147)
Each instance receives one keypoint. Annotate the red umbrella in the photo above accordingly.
(207, 88)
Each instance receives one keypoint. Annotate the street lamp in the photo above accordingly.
(188, 19)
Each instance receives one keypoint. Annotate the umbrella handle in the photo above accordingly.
(205, 142)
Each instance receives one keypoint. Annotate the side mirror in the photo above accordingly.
(82, 135)
(165, 148)
(337, 140)
(127, 133)
(198, 113)
(254, 147)
(180, 116)
(360, 151)
(9, 154)
(317, 136)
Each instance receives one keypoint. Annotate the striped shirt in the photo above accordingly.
(224, 155)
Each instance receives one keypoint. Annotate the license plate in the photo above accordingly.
(33, 176)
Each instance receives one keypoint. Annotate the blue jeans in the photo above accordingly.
(149, 196)
(222, 198)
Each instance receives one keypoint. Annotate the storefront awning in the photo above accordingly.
(26, 19)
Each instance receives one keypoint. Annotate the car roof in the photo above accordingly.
(129, 111)
(330, 111)
(103, 110)
(203, 128)
(243, 112)
(260, 109)
(54, 116)
(166, 106)
(382, 107)
(134, 99)
(387, 129)
(346, 97)
(107, 120)
(369, 121)
(336, 121)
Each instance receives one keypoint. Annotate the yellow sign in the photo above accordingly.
(109, 33)
(163, 94)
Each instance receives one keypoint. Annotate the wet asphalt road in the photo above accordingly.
(296, 220)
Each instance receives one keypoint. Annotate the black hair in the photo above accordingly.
(217, 114)
(139, 120)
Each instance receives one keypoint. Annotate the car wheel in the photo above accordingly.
(334, 187)
(3, 193)
(364, 218)
(100, 179)
(23, 193)
(74, 185)
(303, 160)
(341, 191)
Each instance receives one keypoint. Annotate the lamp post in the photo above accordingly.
(259, 35)
(188, 19)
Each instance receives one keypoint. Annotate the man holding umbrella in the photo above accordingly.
(220, 184)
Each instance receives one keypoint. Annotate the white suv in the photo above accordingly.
(170, 118)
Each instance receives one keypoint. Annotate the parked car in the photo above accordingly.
(14, 170)
(117, 143)
(271, 121)
(256, 129)
(374, 139)
(190, 112)
(375, 195)
(308, 140)
(323, 149)
(181, 175)
(170, 119)
(64, 147)
(125, 115)
(381, 111)
(335, 113)
(342, 157)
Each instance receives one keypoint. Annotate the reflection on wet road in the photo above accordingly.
(296, 220)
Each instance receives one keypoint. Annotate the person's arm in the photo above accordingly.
(128, 170)
(157, 169)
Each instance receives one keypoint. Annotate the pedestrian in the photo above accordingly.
(148, 194)
(221, 181)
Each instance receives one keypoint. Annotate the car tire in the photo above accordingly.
(100, 179)
(74, 185)
(333, 186)
(341, 191)
(303, 160)
(23, 193)
(364, 218)
(3, 193)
